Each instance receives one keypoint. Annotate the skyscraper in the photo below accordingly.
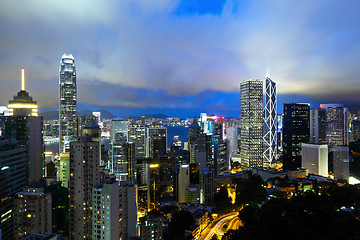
(270, 125)
(337, 124)
(67, 101)
(84, 175)
(296, 131)
(251, 142)
(155, 142)
(26, 126)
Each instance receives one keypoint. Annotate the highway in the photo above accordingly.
(217, 226)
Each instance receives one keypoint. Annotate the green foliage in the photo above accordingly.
(166, 209)
(307, 216)
(250, 191)
(222, 201)
(180, 221)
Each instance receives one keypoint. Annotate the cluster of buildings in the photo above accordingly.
(113, 182)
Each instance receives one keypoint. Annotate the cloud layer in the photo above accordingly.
(180, 54)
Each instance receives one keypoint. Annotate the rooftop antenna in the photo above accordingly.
(22, 79)
(268, 69)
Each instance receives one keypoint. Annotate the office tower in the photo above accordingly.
(166, 178)
(206, 187)
(270, 125)
(318, 126)
(23, 104)
(182, 182)
(128, 210)
(296, 131)
(153, 185)
(314, 157)
(192, 191)
(251, 134)
(232, 137)
(355, 130)
(84, 175)
(155, 142)
(32, 213)
(13, 178)
(26, 126)
(120, 154)
(341, 162)
(64, 169)
(105, 211)
(136, 135)
(337, 124)
(118, 129)
(67, 101)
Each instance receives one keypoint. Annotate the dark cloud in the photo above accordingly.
(168, 54)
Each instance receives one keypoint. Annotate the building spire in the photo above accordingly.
(22, 79)
(268, 69)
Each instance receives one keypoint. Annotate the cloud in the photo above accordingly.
(168, 54)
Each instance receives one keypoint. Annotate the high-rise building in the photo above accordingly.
(120, 159)
(23, 104)
(318, 126)
(296, 131)
(105, 211)
(337, 124)
(314, 157)
(26, 126)
(118, 129)
(136, 135)
(64, 169)
(270, 125)
(13, 178)
(251, 134)
(341, 162)
(67, 101)
(32, 213)
(84, 175)
(355, 130)
(127, 210)
(156, 142)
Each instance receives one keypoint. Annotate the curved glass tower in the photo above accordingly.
(67, 102)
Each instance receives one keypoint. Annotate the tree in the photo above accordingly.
(250, 191)
(180, 221)
(222, 201)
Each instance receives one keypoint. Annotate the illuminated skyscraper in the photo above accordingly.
(67, 101)
(23, 104)
(337, 124)
(251, 142)
(25, 125)
(270, 126)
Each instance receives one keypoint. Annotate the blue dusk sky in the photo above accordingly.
(181, 58)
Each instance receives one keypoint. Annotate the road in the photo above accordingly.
(216, 226)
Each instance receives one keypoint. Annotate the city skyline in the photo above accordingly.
(180, 55)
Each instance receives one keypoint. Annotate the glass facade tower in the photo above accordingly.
(67, 102)
(251, 142)
(270, 125)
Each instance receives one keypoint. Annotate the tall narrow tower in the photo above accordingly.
(270, 123)
(252, 120)
(67, 102)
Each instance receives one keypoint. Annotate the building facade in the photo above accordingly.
(84, 175)
(251, 133)
(67, 102)
(32, 213)
(296, 131)
(270, 125)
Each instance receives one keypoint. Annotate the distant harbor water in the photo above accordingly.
(181, 131)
